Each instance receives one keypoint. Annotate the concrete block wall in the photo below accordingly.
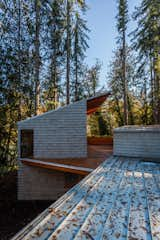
(36, 183)
(60, 133)
(137, 142)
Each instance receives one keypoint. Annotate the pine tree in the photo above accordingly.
(71, 7)
(68, 49)
(146, 39)
(80, 45)
(37, 55)
(36, 45)
(116, 84)
(122, 20)
(55, 53)
(91, 80)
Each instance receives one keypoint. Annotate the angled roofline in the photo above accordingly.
(48, 112)
(95, 102)
(88, 100)
(98, 95)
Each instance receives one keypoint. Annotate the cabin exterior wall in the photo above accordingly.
(36, 183)
(60, 133)
(57, 134)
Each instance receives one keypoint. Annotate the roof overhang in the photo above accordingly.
(95, 102)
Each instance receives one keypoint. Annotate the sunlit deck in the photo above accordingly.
(96, 155)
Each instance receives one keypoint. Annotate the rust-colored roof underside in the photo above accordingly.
(94, 103)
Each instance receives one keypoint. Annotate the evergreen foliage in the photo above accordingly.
(122, 21)
(38, 39)
(43, 47)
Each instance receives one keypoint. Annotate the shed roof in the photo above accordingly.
(118, 200)
(93, 103)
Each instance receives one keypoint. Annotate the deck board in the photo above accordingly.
(96, 155)
(118, 200)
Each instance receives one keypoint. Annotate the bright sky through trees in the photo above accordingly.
(102, 23)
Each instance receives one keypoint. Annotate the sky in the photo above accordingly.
(102, 23)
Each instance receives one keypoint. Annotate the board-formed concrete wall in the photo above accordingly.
(137, 142)
(36, 183)
(60, 133)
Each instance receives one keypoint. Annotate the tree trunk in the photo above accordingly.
(145, 103)
(152, 88)
(157, 99)
(54, 77)
(120, 117)
(7, 141)
(130, 113)
(19, 59)
(37, 57)
(68, 53)
(125, 87)
(76, 68)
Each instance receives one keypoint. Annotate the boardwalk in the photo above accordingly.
(118, 200)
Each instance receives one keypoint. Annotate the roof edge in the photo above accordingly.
(48, 112)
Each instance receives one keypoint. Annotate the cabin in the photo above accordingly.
(120, 199)
(53, 150)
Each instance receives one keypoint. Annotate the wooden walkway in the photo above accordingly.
(96, 155)
(118, 200)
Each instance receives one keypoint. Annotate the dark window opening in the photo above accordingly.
(26, 143)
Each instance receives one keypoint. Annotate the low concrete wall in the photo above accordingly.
(36, 183)
(133, 141)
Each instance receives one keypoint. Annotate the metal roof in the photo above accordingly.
(118, 200)
(95, 102)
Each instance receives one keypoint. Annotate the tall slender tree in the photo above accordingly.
(80, 45)
(122, 20)
(91, 80)
(116, 84)
(37, 44)
(37, 55)
(71, 7)
(19, 55)
(55, 53)
(146, 40)
(68, 50)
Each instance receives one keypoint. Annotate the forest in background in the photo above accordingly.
(43, 46)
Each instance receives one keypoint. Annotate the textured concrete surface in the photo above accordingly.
(60, 133)
(137, 142)
(36, 183)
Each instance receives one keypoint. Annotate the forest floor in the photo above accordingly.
(14, 214)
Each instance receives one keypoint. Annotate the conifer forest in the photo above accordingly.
(43, 46)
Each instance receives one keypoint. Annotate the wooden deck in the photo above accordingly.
(96, 155)
(118, 200)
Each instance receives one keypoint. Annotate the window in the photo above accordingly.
(26, 143)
